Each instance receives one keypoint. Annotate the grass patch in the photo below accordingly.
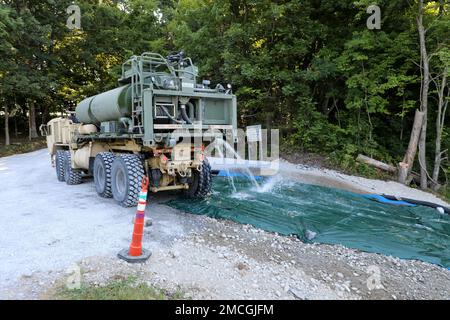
(121, 289)
(22, 147)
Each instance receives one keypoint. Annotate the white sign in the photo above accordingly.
(254, 133)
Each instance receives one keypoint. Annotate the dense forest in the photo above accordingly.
(311, 68)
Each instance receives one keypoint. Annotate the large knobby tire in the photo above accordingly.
(71, 176)
(59, 165)
(201, 182)
(127, 173)
(102, 173)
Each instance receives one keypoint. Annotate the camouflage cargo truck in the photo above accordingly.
(140, 128)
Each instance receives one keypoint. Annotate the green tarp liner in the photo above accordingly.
(336, 216)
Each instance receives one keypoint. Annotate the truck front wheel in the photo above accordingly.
(127, 172)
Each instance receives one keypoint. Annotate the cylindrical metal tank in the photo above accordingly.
(107, 106)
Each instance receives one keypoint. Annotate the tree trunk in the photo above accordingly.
(406, 165)
(440, 121)
(32, 122)
(424, 99)
(7, 141)
(16, 129)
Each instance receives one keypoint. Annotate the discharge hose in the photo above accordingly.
(169, 115)
(184, 114)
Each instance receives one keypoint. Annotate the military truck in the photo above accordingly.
(141, 128)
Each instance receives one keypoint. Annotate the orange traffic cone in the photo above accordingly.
(136, 253)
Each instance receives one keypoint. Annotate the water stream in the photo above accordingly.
(238, 158)
(229, 175)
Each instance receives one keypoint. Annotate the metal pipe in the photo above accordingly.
(176, 187)
(205, 90)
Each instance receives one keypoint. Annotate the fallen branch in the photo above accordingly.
(376, 163)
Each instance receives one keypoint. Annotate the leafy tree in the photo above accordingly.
(310, 67)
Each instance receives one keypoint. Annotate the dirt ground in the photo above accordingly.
(54, 235)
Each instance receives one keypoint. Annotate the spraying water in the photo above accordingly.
(238, 158)
(270, 184)
(229, 176)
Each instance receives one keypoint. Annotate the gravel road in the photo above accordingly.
(49, 228)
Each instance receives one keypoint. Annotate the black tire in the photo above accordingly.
(207, 179)
(201, 182)
(102, 173)
(127, 172)
(59, 165)
(71, 176)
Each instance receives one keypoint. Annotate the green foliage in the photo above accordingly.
(310, 68)
(23, 147)
(314, 133)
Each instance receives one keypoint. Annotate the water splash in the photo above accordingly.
(238, 158)
(241, 196)
(270, 184)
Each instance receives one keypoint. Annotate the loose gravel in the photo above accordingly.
(51, 231)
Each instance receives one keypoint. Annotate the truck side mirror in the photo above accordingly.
(43, 130)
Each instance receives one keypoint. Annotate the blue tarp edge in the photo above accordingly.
(382, 199)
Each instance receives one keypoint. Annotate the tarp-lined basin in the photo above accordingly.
(332, 216)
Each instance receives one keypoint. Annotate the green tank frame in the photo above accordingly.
(148, 106)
